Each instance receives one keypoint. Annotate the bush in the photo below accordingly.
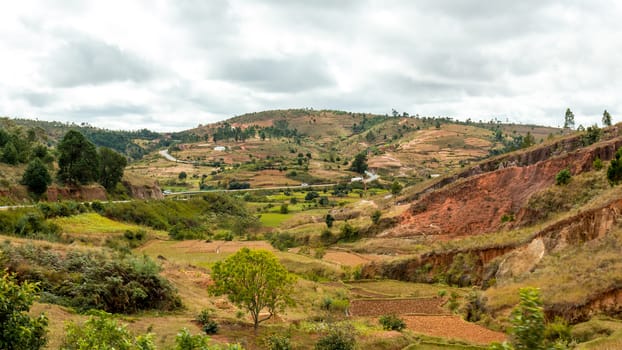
(563, 177)
(338, 338)
(89, 280)
(349, 232)
(375, 216)
(278, 342)
(17, 329)
(208, 325)
(392, 323)
(597, 164)
(102, 332)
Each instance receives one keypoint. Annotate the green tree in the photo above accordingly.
(102, 332)
(78, 161)
(111, 166)
(182, 176)
(359, 164)
(606, 118)
(284, 208)
(9, 153)
(17, 329)
(569, 119)
(36, 177)
(396, 188)
(614, 172)
(254, 280)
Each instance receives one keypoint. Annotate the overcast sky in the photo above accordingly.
(171, 65)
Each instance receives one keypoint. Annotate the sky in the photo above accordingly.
(171, 65)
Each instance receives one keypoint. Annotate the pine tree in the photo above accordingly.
(569, 119)
(606, 118)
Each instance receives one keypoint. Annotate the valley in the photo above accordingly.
(461, 217)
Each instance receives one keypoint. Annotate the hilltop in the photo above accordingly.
(291, 147)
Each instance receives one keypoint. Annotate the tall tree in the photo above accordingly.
(111, 166)
(78, 162)
(254, 280)
(359, 164)
(569, 119)
(606, 118)
(36, 177)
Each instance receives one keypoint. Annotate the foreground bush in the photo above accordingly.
(339, 338)
(103, 332)
(90, 280)
(17, 329)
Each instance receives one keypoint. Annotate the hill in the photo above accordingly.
(291, 147)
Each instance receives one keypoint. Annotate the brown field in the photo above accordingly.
(452, 327)
(379, 307)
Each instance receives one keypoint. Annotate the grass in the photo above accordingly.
(92, 223)
(404, 289)
(274, 219)
(571, 276)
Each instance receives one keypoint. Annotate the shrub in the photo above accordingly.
(278, 342)
(563, 177)
(17, 329)
(113, 283)
(102, 332)
(338, 338)
(284, 208)
(349, 232)
(375, 216)
(597, 164)
(391, 323)
(208, 325)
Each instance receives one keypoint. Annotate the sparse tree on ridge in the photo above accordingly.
(569, 119)
(606, 118)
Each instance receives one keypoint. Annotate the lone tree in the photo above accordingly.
(111, 166)
(17, 329)
(77, 162)
(606, 118)
(359, 164)
(396, 188)
(36, 177)
(254, 280)
(569, 119)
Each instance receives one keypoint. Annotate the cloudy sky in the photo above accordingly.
(170, 65)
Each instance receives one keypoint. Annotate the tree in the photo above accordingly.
(111, 166)
(254, 280)
(36, 177)
(9, 153)
(77, 162)
(17, 329)
(606, 118)
(359, 164)
(182, 176)
(338, 338)
(569, 119)
(396, 188)
(614, 172)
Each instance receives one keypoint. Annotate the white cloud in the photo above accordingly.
(170, 65)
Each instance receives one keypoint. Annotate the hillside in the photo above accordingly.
(290, 147)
